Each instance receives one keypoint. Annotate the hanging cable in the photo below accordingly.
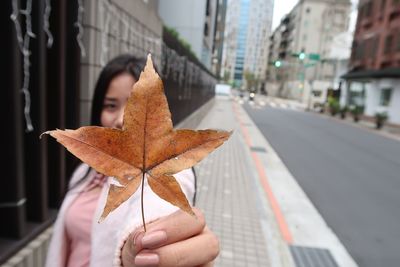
(23, 43)
(78, 24)
(46, 26)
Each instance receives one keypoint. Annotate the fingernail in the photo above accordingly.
(146, 259)
(137, 238)
(153, 239)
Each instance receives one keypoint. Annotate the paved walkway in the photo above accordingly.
(235, 206)
(255, 206)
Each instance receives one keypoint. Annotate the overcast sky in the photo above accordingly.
(283, 7)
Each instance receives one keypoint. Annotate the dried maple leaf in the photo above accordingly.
(147, 146)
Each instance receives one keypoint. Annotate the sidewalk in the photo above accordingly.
(387, 131)
(254, 205)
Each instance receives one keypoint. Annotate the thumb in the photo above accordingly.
(132, 247)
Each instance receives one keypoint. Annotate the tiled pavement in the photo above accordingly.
(229, 194)
(253, 203)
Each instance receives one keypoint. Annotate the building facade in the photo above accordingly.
(195, 21)
(219, 37)
(309, 28)
(246, 41)
(51, 63)
(373, 81)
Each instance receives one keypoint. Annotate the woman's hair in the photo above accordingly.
(121, 64)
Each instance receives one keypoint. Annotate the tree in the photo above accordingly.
(251, 80)
(227, 76)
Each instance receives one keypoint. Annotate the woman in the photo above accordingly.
(173, 238)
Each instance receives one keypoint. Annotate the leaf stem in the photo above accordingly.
(141, 200)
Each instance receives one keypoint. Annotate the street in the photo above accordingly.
(351, 175)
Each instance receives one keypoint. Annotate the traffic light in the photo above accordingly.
(278, 63)
(302, 55)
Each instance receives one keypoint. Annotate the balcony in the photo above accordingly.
(286, 20)
(394, 12)
(284, 41)
(282, 54)
(367, 23)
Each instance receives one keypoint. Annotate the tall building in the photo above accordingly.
(219, 37)
(195, 22)
(309, 28)
(247, 30)
(373, 81)
(279, 53)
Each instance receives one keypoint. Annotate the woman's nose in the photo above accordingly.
(120, 118)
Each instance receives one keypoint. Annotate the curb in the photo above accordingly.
(274, 225)
(360, 126)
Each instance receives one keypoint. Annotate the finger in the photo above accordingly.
(173, 228)
(199, 250)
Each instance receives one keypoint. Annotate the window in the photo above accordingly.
(359, 49)
(368, 9)
(386, 94)
(398, 42)
(388, 44)
(360, 13)
(374, 46)
(317, 93)
(206, 29)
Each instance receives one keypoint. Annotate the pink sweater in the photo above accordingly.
(78, 222)
(107, 238)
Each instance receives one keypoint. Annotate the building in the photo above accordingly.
(219, 37)
(302, 43)
(195, 22)
(373, 81)
(246, 41)
(280, 50)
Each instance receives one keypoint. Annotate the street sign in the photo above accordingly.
(309, 65)
(313, 56)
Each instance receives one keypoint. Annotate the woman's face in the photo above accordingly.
(115, 100)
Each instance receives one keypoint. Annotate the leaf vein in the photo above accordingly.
(183, 152)
(101, 150)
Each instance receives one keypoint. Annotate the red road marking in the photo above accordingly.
(283, 227)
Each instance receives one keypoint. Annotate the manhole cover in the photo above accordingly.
(258, 149)
(312, 257)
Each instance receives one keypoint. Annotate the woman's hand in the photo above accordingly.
(175, 240)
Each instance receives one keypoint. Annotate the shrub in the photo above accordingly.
(343, 112)
(334, 106)
(380, 118)
(356, 111)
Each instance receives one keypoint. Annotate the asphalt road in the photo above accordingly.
(351, 175)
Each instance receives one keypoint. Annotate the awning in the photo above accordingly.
(362, 74)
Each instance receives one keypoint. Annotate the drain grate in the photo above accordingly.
(258, 149)
(312, 257)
